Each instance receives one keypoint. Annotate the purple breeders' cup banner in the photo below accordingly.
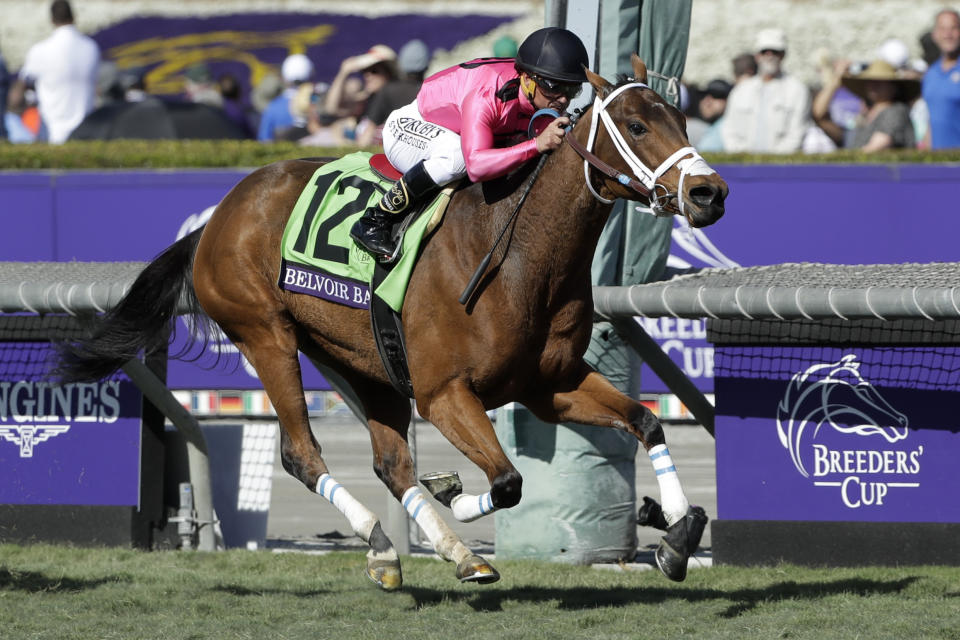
(838, 434)
(250, 45)
(74, 444)
(854, 215)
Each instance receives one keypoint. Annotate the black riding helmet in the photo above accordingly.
(554, 53)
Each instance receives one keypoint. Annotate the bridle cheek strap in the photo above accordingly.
(687, 160)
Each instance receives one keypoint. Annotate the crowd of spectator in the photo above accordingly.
(889, 101)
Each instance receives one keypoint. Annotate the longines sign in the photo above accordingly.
(825, 433)
(71, 444)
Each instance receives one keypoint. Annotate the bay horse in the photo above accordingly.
(520, 338)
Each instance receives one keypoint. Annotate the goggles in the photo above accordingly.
(553, 89)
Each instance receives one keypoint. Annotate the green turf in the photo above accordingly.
(62, 593)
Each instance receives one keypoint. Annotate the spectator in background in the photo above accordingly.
(200, 87)
(769, 112)
(63, 71)
(262, 93)
(278, 116)
(4, 90)
(941, 84)
(17, 130)
(412, 61)
(744, 66)
(705, 131)
(347, 96)
(233, 107)
(885, 121)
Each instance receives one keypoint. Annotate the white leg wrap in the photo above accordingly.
(672, 498)
(445, 542)
(362, 520)
(467, 508)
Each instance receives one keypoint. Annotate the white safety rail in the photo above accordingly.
(795, 291)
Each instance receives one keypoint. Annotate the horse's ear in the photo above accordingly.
(601, 86)
(639, 69)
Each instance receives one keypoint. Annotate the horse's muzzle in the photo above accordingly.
(707, 203)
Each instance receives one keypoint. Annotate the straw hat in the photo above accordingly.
(907, 88)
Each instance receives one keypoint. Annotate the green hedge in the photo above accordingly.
(168, 154)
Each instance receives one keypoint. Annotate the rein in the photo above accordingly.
(475, 279)
(686, 159)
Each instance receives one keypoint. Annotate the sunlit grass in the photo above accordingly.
(57, 592)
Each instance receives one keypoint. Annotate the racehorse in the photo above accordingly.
(834, 394)
(519, 338)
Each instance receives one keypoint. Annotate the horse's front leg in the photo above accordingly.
(595, 401)
(460, 416)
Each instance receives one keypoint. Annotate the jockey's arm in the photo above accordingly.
(482, 159)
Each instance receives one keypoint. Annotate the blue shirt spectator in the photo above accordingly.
(4, 90)
(941, 83)
(278, 117)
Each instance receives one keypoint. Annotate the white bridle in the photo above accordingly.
(687, 160)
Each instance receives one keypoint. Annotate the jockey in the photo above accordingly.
(461, 114)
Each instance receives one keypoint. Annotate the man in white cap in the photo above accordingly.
(278, 117)
(770, 112)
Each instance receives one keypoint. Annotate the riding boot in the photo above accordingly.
(373, 230)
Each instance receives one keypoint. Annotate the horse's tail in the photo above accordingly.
(140, 322)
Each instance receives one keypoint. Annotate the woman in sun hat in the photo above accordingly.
(887, 94)
(347, 95)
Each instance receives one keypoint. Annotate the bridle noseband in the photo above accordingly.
(647, 185)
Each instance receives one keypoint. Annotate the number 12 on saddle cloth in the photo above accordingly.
(319, 258)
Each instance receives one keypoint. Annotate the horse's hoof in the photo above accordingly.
(681, 541)
(651, 514)
(444, 486)
(476, 569)
(385, 573)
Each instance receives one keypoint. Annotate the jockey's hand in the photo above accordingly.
(552, 137)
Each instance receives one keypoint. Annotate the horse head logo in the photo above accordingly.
(834, 394)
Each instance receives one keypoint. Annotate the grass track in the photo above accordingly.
(64, 593)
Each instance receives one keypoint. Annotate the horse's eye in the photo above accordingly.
(636, 129)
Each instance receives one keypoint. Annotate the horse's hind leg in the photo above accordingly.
(595, 401)
(273, 353)
(388, 418)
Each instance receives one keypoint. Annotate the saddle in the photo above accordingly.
(320, 259)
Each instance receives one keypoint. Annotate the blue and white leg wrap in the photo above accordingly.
(362, 520)
(445, 542)
(672, 498)
(467, 508)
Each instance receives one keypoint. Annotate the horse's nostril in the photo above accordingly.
(704, 194)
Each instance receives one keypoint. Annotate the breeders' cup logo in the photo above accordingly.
(837, 396)
(692, 248)
(27, 436)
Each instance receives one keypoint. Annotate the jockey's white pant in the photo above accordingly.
(408, 139)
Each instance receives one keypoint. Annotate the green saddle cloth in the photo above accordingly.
(320, 258)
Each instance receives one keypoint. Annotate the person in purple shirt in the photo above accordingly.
(233, 106)
(941, 84)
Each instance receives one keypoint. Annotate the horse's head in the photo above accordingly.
(853, 405)
(642, 141)
(837, 395)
